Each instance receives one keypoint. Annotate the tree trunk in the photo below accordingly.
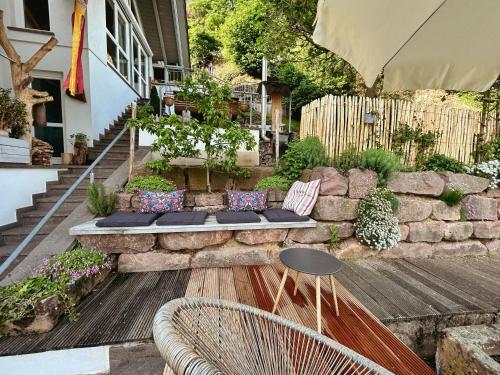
(80, 154)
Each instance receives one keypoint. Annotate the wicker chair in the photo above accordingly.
(206, 336)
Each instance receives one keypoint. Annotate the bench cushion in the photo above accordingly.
(127, 219)
(278, 215)
(183, 218)
(246, 200)
(229, 217)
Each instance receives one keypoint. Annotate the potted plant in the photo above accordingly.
(79, 142)
(12, 115)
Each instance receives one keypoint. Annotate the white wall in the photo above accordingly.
(17, 185)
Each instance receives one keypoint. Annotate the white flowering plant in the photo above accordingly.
(488, 169)
(377, 226)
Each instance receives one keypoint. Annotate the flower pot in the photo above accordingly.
(80, 154)
(67, 158)
(168, 101)
(244, 107)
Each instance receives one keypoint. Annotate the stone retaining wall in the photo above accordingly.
(428, 226)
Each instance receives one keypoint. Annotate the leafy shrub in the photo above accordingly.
(158, 166)
(377, 226)
(348, 159)
(155, 100)
(488, 150)
(101, 203)
(385, 163)
(149, 183)
(12, 114)
(334, 237)
(440, 162)
(18, 301)
(273, 183)
(451, 196)
(488, 169)
(306, 153)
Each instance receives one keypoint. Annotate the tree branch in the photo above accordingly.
(46, 48)
(6, 44)
(45, 99)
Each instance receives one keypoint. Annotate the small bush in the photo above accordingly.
(158, 166)
(300, 155)
(440, 162)
(385, 163)
(101, 203)
(149, 183)
(451, 197)
(273, 183)
(377, 226)
(334, 237)
(348, 159)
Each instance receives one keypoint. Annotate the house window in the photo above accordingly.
(36, 14)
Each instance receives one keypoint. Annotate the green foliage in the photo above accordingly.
(488, 150)
(78, 138)
(405, 138)
(348, 159)
(306, 153)
(154, 99)
(377, 226)
(149, 183)
(440, 162)
(451, 196)
(52, 278)
(101, 203)
(273, 183)
(12, 114)
(158, 166)
(385, 163)
(205, 48)
(334, 237)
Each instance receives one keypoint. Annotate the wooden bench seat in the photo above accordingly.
(210, 225)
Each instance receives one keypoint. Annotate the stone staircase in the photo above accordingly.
(28, 217)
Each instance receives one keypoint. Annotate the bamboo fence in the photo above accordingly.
(339, 122)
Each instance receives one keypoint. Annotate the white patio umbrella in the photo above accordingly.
(419, 44)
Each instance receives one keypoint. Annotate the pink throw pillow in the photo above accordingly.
(301, 197)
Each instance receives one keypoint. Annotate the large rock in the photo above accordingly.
(458, 231)
(428, 231)
(332, 182)
(487, 229)
(413, 209)
(209, 199)
(361, 182)
(288, 243)
(463, 248)
(124, 201)
(408, 250)
(493, 193)
(210, 209)
(419, 183)
(253, 237)
(493, 247)
(153, 261)
(276, 195)
(322, 232)
(441, 211)
(352, 248)
(332, 208)
(403, 232)
(119, 243)
(465, 182)
(480, 208)
(193, 240)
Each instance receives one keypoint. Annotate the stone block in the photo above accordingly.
(253, 237)
(418, 183)
(248, 183)
(124, 201)
(467, 183)
(361, 182)
(441, 211)
(135, 202)
(333, 208)
(413, 209)
(459, 231)
(210, 209)
(332, 182)
(288, 243)
(480, 208)
(322, 232)
(189, 198)
(427, 231)
(463, 248)
(276, 195)
(487, 229)
(352, 248)
(119, 243)
(193, 240)
(153, 261)
(403, 230)
(493, 247)
(209, 199)
(408, 250)
(493, 193)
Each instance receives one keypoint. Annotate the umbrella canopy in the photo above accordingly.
(424, 44)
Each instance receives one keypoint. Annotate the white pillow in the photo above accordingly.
(301, 197)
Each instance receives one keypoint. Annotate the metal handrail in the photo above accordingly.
(5, 265)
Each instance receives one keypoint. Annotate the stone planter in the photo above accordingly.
(48, 311)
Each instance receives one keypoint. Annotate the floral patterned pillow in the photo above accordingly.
(246, 200)
(160, 202)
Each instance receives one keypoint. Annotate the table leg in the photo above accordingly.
(280, 290)
(297, 278)
(334, 292)
(318, 302)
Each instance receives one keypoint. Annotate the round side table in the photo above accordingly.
(312, 262)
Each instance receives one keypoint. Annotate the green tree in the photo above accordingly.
(204, 49)
(155, 100)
